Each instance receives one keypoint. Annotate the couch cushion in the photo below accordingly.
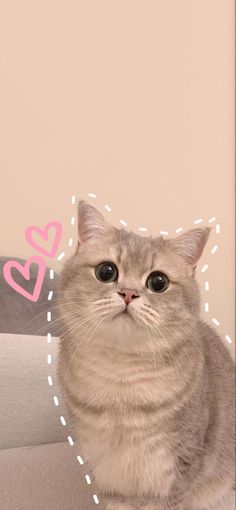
(28, 413)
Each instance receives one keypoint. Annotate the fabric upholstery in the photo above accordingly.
(46, 477)
(28, 413)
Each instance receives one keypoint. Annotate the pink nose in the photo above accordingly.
(128, 295)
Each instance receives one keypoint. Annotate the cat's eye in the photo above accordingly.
(157, 281)
(106, 272)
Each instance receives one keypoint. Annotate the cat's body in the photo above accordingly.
(151, 402)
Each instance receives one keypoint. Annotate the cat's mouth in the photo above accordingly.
(124, 313)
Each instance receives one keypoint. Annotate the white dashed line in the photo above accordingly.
(214, 249)
(55, 399)
(88, 479)
(49, 337)
(50, 294)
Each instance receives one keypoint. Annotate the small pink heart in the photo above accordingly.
(44, 234)
(25, 271)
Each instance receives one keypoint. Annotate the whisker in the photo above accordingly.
(53, 308)
(75, 323)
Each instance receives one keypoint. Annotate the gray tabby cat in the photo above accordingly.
(148, 384)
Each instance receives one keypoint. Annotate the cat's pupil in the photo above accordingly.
(106, 272)
(157, 281)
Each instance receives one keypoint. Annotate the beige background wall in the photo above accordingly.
(131, 100)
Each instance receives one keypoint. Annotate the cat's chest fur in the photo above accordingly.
(121, 409)
(122, 385)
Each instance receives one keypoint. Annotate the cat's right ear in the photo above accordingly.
(191, 244)
(91, 223)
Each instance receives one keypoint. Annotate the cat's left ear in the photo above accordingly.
(191, 244)
(91, 223)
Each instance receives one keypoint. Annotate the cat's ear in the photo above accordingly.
(91, 223)
(191, 244)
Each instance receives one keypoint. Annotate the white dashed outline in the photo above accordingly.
(50, 294)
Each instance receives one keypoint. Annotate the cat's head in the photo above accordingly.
(122, 287)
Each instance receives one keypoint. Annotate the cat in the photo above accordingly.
(148, 384)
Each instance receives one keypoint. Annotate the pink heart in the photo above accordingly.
(43, 233)
(25, 271)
